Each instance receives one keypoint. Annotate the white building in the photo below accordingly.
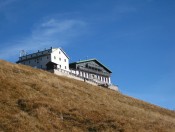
(40, 59)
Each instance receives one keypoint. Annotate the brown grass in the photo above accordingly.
(35, 100)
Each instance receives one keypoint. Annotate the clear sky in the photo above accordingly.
(133, 38)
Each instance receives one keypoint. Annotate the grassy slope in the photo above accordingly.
(35, 100)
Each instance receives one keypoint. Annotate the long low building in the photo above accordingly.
(91, 69)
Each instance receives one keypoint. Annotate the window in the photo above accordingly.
(60, 59)
(54, 57)
(60, 66)
(59, 52)
(47, 57)
(65, 67)
(41, 58)
(64, 60)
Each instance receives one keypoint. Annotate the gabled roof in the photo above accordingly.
(62, 51)
(82, 61)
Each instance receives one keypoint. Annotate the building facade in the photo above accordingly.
(91, 69)
(40, 59)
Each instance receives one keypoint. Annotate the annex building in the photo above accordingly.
(91, 69)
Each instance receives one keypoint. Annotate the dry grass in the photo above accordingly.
(35, 100)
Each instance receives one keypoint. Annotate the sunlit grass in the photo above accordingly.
(36, 100)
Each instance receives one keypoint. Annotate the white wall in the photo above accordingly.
(57, 72)
(58, 57)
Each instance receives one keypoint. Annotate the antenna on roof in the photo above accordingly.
(22, 53)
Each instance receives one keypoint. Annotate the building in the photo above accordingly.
(56, 61)
(46, 59)
(91, 69)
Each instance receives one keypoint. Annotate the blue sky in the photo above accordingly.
(134, 38)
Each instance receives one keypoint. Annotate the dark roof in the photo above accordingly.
(82, 61)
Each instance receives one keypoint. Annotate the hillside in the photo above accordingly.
(35, 100)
